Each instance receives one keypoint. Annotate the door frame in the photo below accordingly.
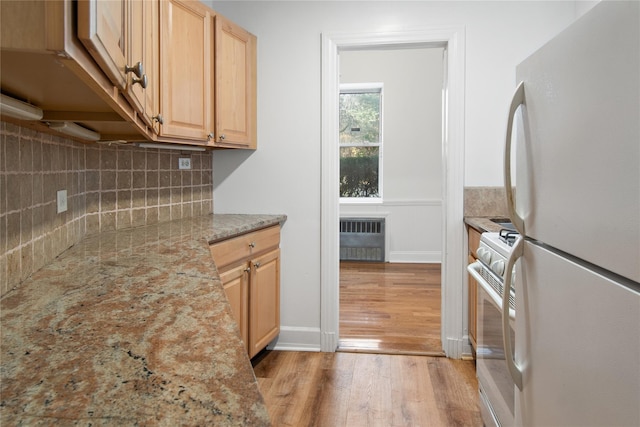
(454, 332)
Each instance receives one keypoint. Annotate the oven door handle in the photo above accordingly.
(515, 371)
(517, 100)
(474, 270)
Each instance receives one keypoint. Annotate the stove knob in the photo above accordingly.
(498, 267)
(484, 254)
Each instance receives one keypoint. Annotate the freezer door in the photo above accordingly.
(578, 344)
(578, 152)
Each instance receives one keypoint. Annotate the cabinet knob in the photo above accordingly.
(210, 136)
(222, 136)
(143, 81)
(252, 244)
(158, 119)
(256, 265)
(247, 270)
(137, 69)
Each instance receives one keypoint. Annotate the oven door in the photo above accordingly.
(497, 389)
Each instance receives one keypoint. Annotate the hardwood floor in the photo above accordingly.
(390, 308)
(361, 390)
(382, 376)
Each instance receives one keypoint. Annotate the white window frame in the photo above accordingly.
(366, 88)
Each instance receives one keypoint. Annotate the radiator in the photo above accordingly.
(362, 239)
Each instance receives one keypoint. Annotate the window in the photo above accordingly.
(361, 141)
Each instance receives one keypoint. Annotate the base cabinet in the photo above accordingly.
(473, 307)
(474, 242)
(236, 285)
(249, 268)
(264, 301)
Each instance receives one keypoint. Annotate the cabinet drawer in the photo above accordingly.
(244, 246)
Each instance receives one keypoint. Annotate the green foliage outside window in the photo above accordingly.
(359, 144)
(359, 172)
(359, 117)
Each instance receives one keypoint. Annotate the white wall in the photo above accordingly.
(283, 175)
(412, 147)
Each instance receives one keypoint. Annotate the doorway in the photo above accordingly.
(391, 171)
(453, 331)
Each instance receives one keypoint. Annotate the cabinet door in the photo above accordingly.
(186, 67)
(102, 30)
(152, 60)
(474, 241)
(236, 286)
(264, 301)
(235, 85)
(473, 302)
(143, 48)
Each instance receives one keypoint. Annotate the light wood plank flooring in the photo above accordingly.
(361, 390)
(390, 308)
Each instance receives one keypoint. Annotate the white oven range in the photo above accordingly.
(496, 387)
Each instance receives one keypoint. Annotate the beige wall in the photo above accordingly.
(107, 188)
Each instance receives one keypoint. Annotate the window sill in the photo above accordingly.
(362, 201)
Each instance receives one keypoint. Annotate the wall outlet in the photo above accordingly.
(62, 201)
(184, 163)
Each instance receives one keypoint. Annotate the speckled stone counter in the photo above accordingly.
(130, 327)
(482, 224)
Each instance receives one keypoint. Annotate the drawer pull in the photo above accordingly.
(158, 118)
(252, 244)
(137, 69)
(142, 81)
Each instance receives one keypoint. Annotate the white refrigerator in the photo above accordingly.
(575, 161)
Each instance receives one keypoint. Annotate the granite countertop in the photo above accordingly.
(130, 327)
(482, 223)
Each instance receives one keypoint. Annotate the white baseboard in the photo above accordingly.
(297, 339)
(433, 257)
(454, 347)
(467, 348)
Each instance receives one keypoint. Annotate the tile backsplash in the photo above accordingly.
(108, 188)
(485, 201)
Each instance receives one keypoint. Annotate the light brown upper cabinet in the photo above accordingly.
(186, 67)
(155, 70)
(101, 28)
(44, 63)
(208, 77)
(235, 85)
(122, 37)
(144, 43)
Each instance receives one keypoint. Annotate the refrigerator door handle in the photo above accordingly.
(517, 100)
(514, 370)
